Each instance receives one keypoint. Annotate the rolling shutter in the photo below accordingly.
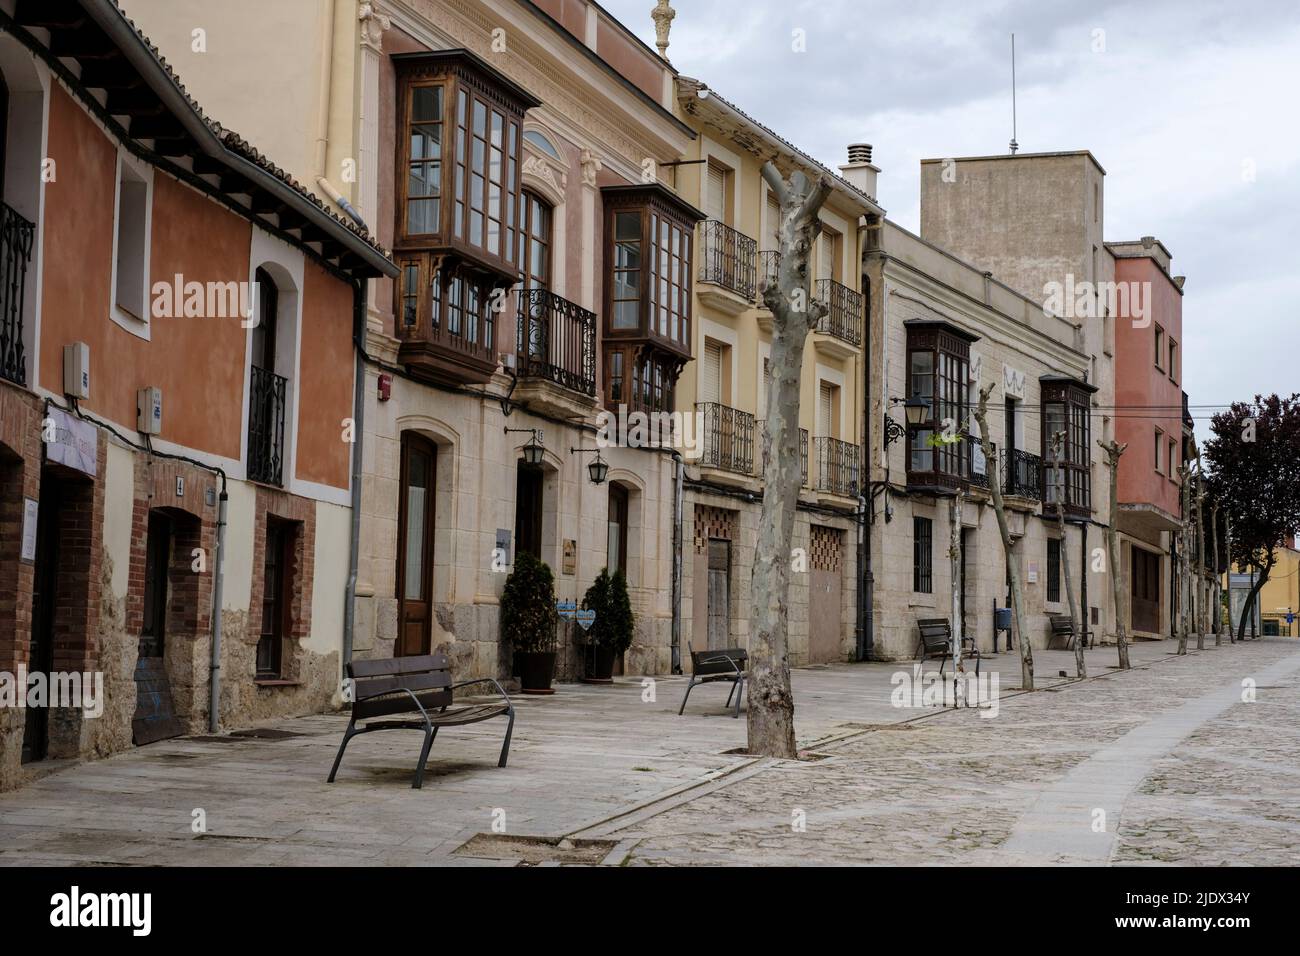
(715, 194)
(711, 388)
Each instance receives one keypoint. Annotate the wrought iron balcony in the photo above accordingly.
(843, 318)
(836, 467)
(16, 237)
(266, 406)
(556, 341)
(728, 438)
(761, 424)
(1022, 474)
(727, 258)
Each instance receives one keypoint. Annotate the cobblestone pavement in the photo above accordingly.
(895, 785)
(958, 788)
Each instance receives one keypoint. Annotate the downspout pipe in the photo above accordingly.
(323, 117)
(218, 591)
(358, 438)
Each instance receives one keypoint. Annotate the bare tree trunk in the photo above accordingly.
(1227, 542)
(770, 717)
(1261, 579)
(1184, 562)
(1216, 592)
(1009, 546)
(1076, 620)
(1201, 595)
(1113, 452)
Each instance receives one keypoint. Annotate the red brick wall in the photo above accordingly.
(20, 477)
(301, 569)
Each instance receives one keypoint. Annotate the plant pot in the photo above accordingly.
(599, 662)
(535, 670)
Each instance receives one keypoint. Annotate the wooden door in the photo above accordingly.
(45, 585)
(1145, 591)
(719, 593)
(825, 608)
(155, 714)
(415, 526)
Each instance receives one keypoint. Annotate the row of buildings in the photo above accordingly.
(257, 419)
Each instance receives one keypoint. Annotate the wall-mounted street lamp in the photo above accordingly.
(916, 410)
(534, 450)
(597, 468)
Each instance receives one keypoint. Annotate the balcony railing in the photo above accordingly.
(761, 425)
(266, 404)
(1022, 474)
(843, 318)
(836, 467)
(727, 258)
(728, 438)
(556, 341)
(16, 237)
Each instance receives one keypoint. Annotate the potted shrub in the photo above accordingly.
(528, 621)
(611, 633)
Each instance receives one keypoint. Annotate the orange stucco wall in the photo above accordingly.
(1146, 395)
(325, 378)
(197, 362)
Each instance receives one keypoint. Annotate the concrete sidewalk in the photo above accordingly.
(579, 758)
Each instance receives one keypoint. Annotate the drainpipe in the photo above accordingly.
(218, 587)
(358, 433)
(323, 118)
(679, 467)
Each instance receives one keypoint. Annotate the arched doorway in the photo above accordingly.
(415, 528)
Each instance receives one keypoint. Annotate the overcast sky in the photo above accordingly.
(1185, 100)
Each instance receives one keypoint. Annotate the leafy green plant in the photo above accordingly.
(614, 622)
(528, 615)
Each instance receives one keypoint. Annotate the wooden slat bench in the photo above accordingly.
(725, 664)
(1062, 626)
(409, 685)
(936, 641)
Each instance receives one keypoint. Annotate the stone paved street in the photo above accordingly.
(1184, 770)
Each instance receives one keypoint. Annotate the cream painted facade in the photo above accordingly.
(1016, 345)
(595, 128)
(727, 385)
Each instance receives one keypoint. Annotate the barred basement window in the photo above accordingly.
(1054, 569)
(922, 555)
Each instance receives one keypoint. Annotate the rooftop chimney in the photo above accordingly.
(859, 170)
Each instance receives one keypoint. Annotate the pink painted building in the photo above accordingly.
(1148, 310)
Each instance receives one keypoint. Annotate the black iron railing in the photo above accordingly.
(16, 237)
(556, 341)
(727, 258)
(728, 438)
(266, 406)
(759, 466)
(836, 467)
(843, 318)
(1022, 474)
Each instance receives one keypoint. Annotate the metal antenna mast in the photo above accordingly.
(1014, 145)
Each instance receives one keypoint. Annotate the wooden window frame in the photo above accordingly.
(949, 350)
(1074, 399)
